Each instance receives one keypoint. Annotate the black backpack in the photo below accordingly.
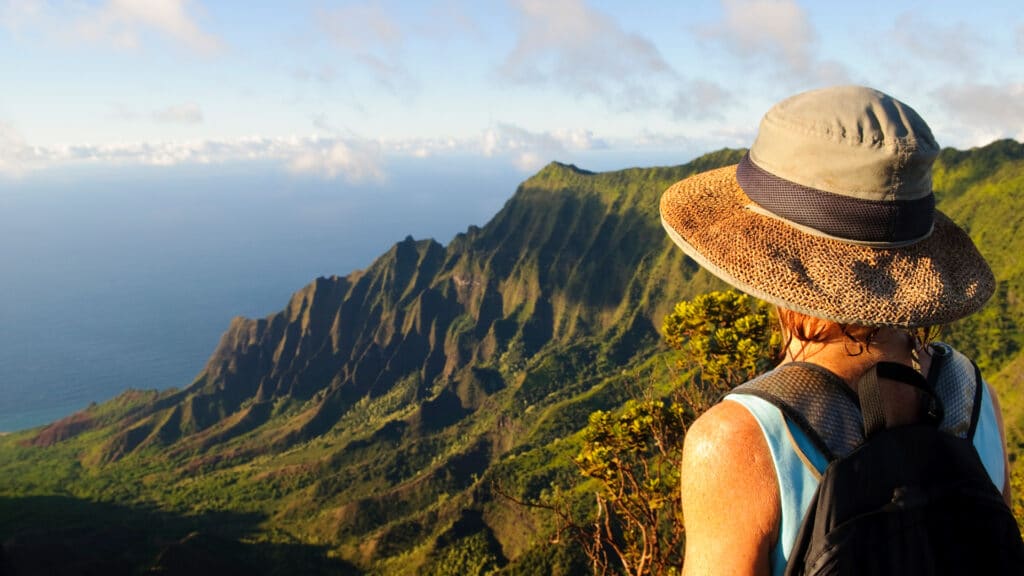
(908, 500)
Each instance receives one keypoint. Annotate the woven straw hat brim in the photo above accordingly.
(934, 281)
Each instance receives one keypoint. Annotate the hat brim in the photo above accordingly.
(934, 281)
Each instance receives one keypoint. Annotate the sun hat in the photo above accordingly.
(831, 214)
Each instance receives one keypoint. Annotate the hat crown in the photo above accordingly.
(848, 140)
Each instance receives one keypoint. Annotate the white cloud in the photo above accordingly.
(523, 148)
(528, 150)
(161, 153)
(701, 99)
(954, 45)
(779, 34)
(373, 38)
(16, 155)
(693, 142)
(778, 26)
(356, 162)
(427, 147)
(980, 113)
(567, 44)
(332, 157)
(363, 26)
(189, 113)
(17, 14)
(123, 22)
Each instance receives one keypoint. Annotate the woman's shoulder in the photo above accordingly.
(724, 425)
(730, 494)
(723, 441)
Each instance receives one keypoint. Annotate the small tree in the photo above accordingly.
(635, 455)
(728, 335)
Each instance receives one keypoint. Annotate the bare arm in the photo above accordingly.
(730, 495)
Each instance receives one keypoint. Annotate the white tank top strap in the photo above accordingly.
(987, 441)
(798, 468)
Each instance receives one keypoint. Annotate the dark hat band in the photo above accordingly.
(883, 222)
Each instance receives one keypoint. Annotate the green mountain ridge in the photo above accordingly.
(362, 427)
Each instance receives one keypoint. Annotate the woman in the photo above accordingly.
(831, 218)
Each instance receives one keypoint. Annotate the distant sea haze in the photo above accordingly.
(110, 281)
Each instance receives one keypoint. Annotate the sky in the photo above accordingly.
(340, 90)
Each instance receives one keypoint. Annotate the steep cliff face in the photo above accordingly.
(573, 255)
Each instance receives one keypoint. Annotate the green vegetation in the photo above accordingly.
(364, 428)
(633, 455)
(728, 335)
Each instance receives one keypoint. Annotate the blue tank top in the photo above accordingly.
(799, 465)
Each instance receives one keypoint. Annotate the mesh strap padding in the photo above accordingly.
(815, 399)
(959, 387)
(829, 413)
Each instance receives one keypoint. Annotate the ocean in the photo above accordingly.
(126, 278)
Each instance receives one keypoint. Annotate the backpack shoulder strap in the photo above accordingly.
(817, 401)
(869, 390)
(959, 384)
